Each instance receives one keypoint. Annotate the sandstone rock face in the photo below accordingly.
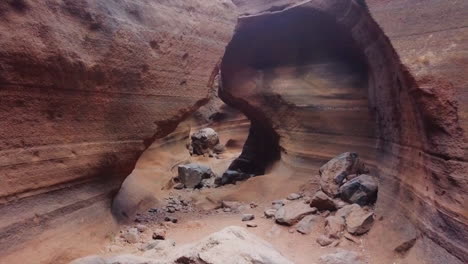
(85, 87)
(349, 91)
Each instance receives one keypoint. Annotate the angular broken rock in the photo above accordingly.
(277, 204)
(361, 190)
(341, 257)
(204, 141)
(248, 217)
(159, 234)
(131, 236)
(251, 224)
(233, 205)
(231, 177)
(191, 175)
(293, 196)
(306, 224)
(293, 212)
(337, 169)
(359, 221)
(334, 226)
(322, 202)
(270, 213)
(347, 209)
(324, 240)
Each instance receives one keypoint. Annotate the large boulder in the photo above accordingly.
(204, 141)
(293, 212)
(193, 175)
(361, 190)
(333, 173)
(232, 245)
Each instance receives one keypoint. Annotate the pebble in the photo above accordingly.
(248, 217)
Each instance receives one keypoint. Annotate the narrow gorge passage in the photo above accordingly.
(243, 131)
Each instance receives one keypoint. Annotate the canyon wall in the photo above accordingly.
(323, 78)
(85, 87)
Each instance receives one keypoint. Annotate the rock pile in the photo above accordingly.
(205, 141)
(342, 203)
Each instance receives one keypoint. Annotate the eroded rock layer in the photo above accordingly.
(86, 86)
(324, 78)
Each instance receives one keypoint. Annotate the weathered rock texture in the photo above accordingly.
(86, 86)
(322, 78)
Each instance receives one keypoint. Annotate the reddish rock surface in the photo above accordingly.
(85, 87)
(323, 78)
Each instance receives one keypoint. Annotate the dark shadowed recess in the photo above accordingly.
(299, 40)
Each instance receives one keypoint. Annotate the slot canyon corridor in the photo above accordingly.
(233, 131)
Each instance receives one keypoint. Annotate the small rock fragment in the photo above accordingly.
(321, 201)
(294, 196)
(131, 236)
(324, 240)
(351, 238)
(248, 217)
(278, 204)
(141, 228)
(346, 210)
(270, 213)
(179, 186)
(359, 222)
(405, 246)
(293, 212)
(159, 234)
(171, 219)
(233, 205)
(341, 257)
(334, 226)
(306, 224)
(252, 224)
